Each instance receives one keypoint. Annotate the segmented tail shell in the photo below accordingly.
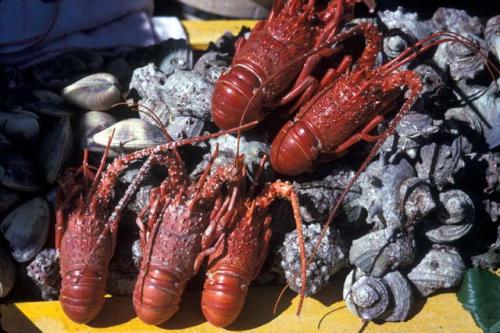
(294, 149)
(223, 297)
(232, 95)
(82, 294)
(157, 296)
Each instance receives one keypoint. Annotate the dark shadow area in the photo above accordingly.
(14, 321)
(109, 316)
(333, 292)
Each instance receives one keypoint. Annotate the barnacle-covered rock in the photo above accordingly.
(177, 54)
(480, 112)
(460, 60)
(56, 148)
(441, 268)
(380, 185)
(389, 298)
(131, 134)
(436, 94)
(98, 92)
(329, 259)
(456, 20)
(413, 131)
(408, 23)
(26, 229)
(44, 271)
(211, 65)
(492, 173)
(441, 164)
(492, 35)
(381, 251)
(317, 196)
(7, 273)
(455, 217)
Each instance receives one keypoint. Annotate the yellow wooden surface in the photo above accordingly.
(441, 313)
(200, 33)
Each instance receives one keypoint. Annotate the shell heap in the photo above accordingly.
(404, 225)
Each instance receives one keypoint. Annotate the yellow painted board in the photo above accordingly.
(441, 313)
(200, 33)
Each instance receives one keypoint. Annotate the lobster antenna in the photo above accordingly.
(102, 164)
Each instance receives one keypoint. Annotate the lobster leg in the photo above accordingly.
(333, 73)
(362, 136)
(264, 246)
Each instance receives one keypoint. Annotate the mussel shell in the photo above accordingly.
(97, 92)
(131, 134)
(93, 122)
(20, 126)
(50, 103)
(56, 148)
(26, 229)
(8, 199)
(19, 172)
(4, 143)
(7, 273)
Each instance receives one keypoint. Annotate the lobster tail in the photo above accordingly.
(157, 295)
(82, 295)
(232, 95)
(223, 297)
(294, 149)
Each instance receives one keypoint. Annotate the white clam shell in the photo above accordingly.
(131, 134)
(91, 123)
(26, 229)
(94, 92)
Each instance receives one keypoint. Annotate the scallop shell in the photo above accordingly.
(7, 273)
(50, 103)
(20, 126)
(94, 92)
(26, 229)
(441, 268)
(131, 134)
(56, 148)
(93, 122)
(456, 217)
(492, 35)
(19, 172)
(389, 298)
(381, 251)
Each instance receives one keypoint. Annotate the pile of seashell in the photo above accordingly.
(404, 226)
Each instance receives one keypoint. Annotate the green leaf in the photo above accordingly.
(480, 295)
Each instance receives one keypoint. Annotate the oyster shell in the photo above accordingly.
(131, 134)
(381, 251)
(56, 148)
(329, 259)
(97, 92)
(455, 216)
(26, 228)
(7, 273)
(389, 298)
(441, 268)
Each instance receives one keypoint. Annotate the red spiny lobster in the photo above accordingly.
(292, 29)
(237, 262)
(86, 229)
